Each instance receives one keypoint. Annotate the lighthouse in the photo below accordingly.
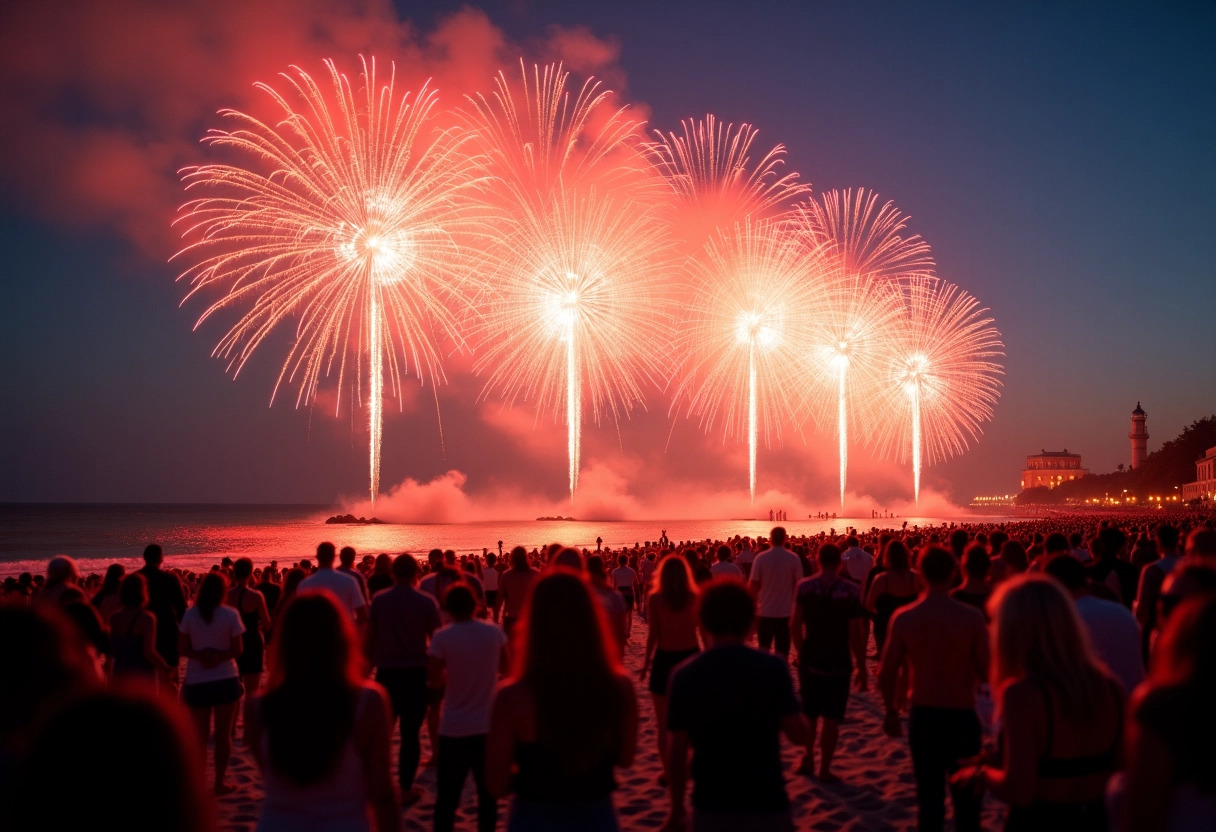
(1139, 436)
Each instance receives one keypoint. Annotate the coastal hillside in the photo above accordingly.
(1172, 465)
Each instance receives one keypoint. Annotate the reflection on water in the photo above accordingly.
(195, 536)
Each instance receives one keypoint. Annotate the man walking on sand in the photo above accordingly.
(943, 644)
(774, 578)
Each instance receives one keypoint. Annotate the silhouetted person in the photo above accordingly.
(133, 635)
(399, 628)
(343, 587)
(826, 606)
(167, 601)
(466, 657)
(251, 606)
(110, 760)
(729, 706)
(944, 646)
(210, 639)
(775, 575)
(321, 733)
(566, 718)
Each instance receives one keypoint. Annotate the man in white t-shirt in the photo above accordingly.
(775, 576)
(344, 587)
(857, 562)
(466, 659)
(724, 568)
(1113, 631)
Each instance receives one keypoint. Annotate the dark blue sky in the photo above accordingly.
(1059, 158)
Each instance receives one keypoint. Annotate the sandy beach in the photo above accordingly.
(876, 792)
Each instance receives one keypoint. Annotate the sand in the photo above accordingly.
(876, 792)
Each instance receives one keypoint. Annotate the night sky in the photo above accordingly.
(1059, 158)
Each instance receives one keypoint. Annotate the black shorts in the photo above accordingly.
(491, 598)
(824, 695)
(212, 694)
(627, 594)
(665, 661)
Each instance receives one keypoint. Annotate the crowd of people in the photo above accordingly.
(1064, 666)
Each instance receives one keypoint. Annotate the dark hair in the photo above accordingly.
(459, 601)
(595, 566)
(723, 553)
(1068, 571)
(1055, 542)
(519, 558)
(976, 562)
(405, 568)
(958, 542)
(851, 541)
(347, 555)
(568, 660)
(1167, 536)
(622, 559)
(896, 557)
(153, 554)
(1113, 541)
(1014, 554)
(314, 682)
(210, 594)
(291, 581)
(113, 579)
(829, 555)
(937, 565)
(326, 552)
(144, 742)
(727, 608)
(778, 535)
(134, 591)
(242, 569)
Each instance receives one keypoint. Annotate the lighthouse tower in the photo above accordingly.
(1139, 436)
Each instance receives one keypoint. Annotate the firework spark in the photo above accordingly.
(942, 376)
(580, 261)
(866, 251)
(709, 169)
(342, 215)
(756, 291)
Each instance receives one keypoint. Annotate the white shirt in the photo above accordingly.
(778, 572)
(726, 569)
(623, 577)
(858, 563)
(471, 653)
(489, 579)
(217, 634)
(344, 587)
(1114, 634)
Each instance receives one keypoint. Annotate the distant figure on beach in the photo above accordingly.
(1061, 714)
(399, 630)
(566, 718)
(723, 568)
(489, 580)
(106, 599)
(624, 578)
(466, 658)
(944, 646)
(825, 608)
(62, 582)
(728, 706)
(210, 639)
(671, 639)
(346, 565)
(774, 576)
(320, 733)
(166, 601)
(343, 587)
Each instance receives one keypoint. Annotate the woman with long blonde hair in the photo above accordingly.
(1061, 712)
(671, 610)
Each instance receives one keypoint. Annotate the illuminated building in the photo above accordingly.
(1051, 468)
(1139, 436)
(1204, 486)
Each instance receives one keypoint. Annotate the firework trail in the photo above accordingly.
(866, 252)
(708, 168)
(580, 261)
(942, 376)
(342, 216)
(756, 291)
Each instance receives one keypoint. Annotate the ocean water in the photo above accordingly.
(196, 536)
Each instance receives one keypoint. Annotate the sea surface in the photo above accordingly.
(197, 536)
